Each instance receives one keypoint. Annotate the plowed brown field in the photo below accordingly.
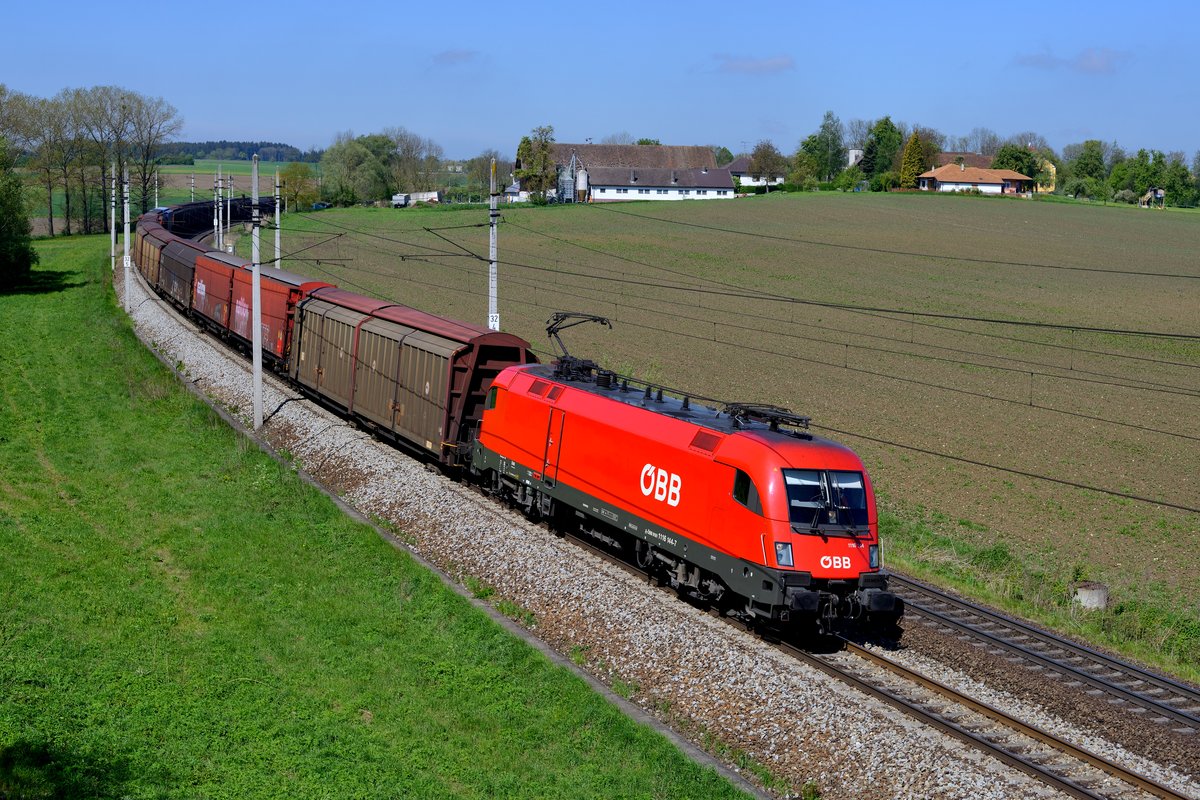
(985, 432)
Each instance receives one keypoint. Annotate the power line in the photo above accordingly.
(911, 448)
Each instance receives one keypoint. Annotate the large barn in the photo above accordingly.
(610, 172)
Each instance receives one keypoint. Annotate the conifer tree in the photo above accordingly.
(911, 165)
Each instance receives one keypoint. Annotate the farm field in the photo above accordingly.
(181, 616)
(1021, 439)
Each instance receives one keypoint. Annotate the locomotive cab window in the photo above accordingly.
(818, 499)
(746, 493)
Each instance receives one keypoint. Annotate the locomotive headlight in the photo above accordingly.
(873, 556)
(783, 554)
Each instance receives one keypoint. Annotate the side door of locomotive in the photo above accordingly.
(554, 438)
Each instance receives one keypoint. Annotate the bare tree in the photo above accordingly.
(624, 137)
(104, 114)
(152, 121)
(857, 131)
(414, 159)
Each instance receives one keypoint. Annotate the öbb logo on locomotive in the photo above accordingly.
(835, 562)
(665, 486)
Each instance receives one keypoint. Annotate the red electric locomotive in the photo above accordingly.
(740, 507)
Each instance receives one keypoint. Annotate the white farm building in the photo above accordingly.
(607, 184)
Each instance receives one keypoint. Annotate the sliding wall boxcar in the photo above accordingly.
(212, 292)
(177, 271)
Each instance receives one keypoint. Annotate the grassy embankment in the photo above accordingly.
(1090, 409)
(182, 617)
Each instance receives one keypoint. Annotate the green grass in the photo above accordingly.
(181, 617)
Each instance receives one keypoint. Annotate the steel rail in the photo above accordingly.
(1168, 711)
(1081, 754)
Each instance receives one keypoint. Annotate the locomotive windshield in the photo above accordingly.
(819, 500)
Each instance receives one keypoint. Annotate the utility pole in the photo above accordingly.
(156, 187)
(125, 197)
(493, 219)
(216, 210)
(278, 262)
(229, 208)
(220, 210)
(193, 187)
(112, 225)
(255, 296)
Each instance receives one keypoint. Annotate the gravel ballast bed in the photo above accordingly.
(705, 678)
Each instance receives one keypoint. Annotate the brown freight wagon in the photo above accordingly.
(177, 270)
(149, 240)
(409, 375)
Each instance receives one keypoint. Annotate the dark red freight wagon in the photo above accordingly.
(279, 292)
(412, 376)
(212, 288)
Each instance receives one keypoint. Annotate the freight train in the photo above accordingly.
(736, 506)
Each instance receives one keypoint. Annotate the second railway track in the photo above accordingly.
(1154, 698)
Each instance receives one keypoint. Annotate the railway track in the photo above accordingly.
(1153, 698)
(1048, 758)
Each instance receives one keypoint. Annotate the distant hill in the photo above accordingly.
(186, 152)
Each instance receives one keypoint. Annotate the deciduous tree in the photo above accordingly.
(299, 185)
(17, 255)
(1089, 163)
(535, 162)
(767, 161)
(827, 147)
(1018, 158)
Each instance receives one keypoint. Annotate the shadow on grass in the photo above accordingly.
(44, 281)
(32, 770)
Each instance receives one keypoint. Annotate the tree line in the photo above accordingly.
(894, 154)
(364, 169)
(224, 150)
(69, 143)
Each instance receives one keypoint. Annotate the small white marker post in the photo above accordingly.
(128, 281)
(256, 296)
(493, 219)
(156, 187)
(193, 187)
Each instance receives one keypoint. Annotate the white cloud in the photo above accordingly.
(1090, 61)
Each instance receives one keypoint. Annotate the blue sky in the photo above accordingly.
(480, 75)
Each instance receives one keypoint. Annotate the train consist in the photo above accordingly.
(736, 506)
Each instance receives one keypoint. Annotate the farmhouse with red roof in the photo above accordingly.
(960, 177)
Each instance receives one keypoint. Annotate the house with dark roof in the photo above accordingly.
(610, 172)
(739, 168)
(608, 184)
(960, 177)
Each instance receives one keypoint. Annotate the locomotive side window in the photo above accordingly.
(746, 493)
(817, 497)
(491, 399)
